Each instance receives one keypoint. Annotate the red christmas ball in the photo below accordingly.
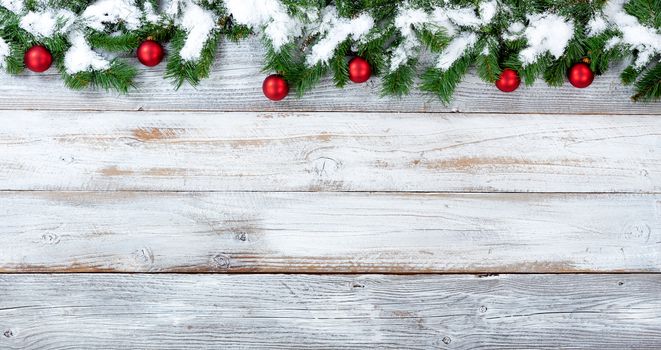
(580, 75)
(508, 81)
(150, 53)
(359, 70)
(38, 59)
(275, 87)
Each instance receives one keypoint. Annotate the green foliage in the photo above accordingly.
(629, 75)
(115, 43)
(373, 50)
(180, 70)
(601, 57)
(486, 63)
(443, 83)
(130, 40)
(118, 77)
(648, 12)
(284, 61)
(648, 88)
(339, 64)
(307, 78)
(435, 41)
(400, 81)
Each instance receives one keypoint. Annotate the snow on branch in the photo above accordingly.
(198, 24)
(646, 40)
(547, 32)
(271, 18)
(334, 30)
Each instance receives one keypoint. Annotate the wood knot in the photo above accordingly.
(50, 238)
(483, 309)
(144, 256)
(221, 261)
(68, 159)
(640, 232)
(446, 340)
(357, 285)
(8, 333)
(325, 167)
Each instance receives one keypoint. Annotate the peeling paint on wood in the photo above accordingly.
(330, 152)
(329, 312)
(268, 157)
(328, 232)
(152, 134)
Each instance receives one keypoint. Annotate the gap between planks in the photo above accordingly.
(140, 110)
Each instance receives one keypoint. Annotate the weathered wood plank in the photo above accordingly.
(329, 312)
(328, 232)
(235, 85)
(329, 152)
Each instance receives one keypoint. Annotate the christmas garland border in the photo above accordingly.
(507, 41)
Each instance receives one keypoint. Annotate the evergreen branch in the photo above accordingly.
(114, 43)
(443, 83)
(307, 78)
(119, 77)
(400, 81)
(487, 65)
(648, 88)
(630, 75)
(180, 70)
(434, 41)
(14, 62)
(339, 64)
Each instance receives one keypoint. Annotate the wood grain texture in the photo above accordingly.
(236, 80)
(163, 312)
(328, 232)
(329, 152)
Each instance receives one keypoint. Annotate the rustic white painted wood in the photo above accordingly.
(235, 85)
(329, 152)
(327, 232)
(329, 312)
(194, 188)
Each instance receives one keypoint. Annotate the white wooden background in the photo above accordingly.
(211, 218)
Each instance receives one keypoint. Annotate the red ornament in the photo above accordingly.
(580, 75)
(509, 80)
(150, 53)
(38, 59)
(359, 70)
(275, 87)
